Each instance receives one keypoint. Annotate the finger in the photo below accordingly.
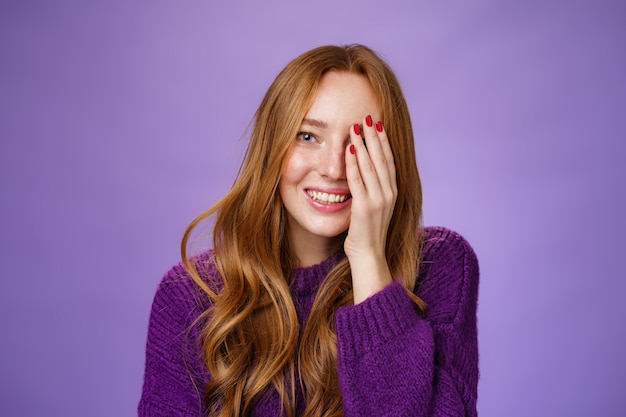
(367, 170)
(353, 174)
(379, 152)
(387, 152)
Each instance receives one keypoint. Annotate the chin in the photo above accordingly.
(331, 232)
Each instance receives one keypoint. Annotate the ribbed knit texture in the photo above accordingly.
(392, 361)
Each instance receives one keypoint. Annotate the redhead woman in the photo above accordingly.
(323, 295)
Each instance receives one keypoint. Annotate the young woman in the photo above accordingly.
(322, 295)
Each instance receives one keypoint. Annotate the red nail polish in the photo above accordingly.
(379, 126)
(357, 131)
(352, 149)
(368, 121)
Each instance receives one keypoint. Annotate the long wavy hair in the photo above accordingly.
(250, 337)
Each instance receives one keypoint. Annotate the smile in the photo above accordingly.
(327, 198)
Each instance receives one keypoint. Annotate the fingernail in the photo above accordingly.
(352, 149)
(357, 131)
(368, 121)
(379, 126)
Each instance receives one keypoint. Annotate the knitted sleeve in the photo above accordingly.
(392, 361)
(173, 378)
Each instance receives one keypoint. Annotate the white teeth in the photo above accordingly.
(326, 197)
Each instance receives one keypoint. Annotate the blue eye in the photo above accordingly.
(305, 137)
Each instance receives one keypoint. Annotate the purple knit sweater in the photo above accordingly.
(392, 361)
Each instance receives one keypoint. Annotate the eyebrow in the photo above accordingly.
(315, 123)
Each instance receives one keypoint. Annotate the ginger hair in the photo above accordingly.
(250, 334)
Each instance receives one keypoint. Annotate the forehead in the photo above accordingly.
(343, 97)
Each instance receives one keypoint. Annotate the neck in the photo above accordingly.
(311, 250)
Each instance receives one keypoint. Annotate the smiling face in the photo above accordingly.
(313, 185)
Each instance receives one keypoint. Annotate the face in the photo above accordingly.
(313, 185)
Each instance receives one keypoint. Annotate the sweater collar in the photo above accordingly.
(307, 280)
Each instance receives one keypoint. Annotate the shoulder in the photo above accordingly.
(441, 243)
(178, 295)
(448, 276)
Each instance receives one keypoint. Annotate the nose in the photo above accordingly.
(332, 163)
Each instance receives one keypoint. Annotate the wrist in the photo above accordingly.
(369, 276)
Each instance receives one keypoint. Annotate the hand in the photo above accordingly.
(371, 175)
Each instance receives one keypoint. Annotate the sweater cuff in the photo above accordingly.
(382, 317)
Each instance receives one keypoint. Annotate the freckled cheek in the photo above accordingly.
(296, 168)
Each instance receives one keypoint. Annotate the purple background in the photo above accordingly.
(122, 120)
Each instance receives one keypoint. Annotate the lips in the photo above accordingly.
(327, 198)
